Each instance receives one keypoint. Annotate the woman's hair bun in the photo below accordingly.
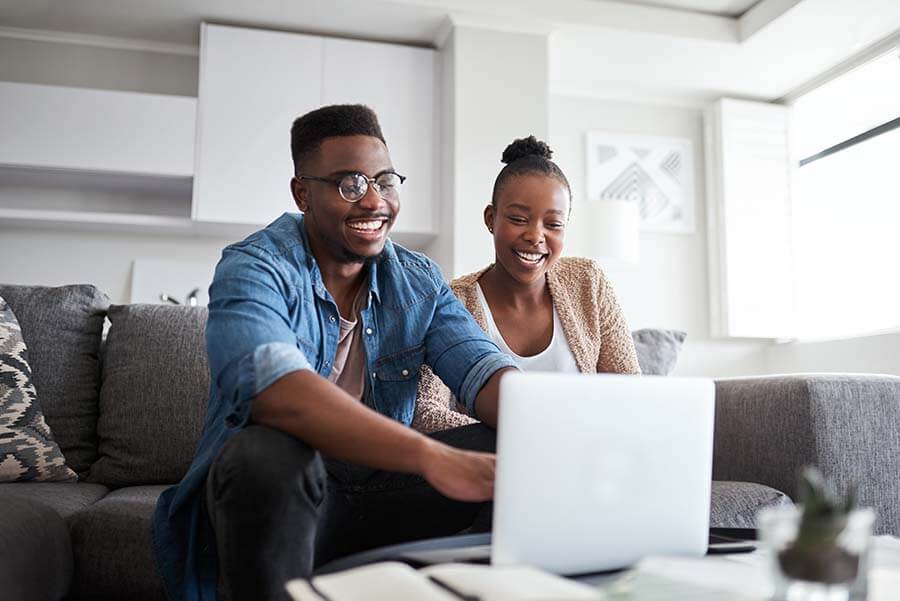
(524, 147)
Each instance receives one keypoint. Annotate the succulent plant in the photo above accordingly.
(815, 554)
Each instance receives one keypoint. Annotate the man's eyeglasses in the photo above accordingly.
(353, 186)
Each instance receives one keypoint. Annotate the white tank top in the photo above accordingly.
(556, 357)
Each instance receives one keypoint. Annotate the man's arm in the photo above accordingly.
(487, 402)
(263, 376)
(308, 406)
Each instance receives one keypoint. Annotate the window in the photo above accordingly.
(845, 202)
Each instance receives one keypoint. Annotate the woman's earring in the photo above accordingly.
(491, 230)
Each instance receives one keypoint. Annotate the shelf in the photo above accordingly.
(65, 199)
(81, 220)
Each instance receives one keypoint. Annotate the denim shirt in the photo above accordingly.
(270, 314)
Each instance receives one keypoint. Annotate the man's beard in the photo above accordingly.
(351, 257)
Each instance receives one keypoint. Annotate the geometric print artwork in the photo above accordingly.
(655, 172)
(27, 448)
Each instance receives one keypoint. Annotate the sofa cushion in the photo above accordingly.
(66, 499)
(35, 551)
(154, 394)
(112, 545)
(657, 350)
(734, 504)
(62, 327)
(27, 449)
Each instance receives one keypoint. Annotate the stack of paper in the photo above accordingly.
(390, 581)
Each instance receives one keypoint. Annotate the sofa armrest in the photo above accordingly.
(769, 427)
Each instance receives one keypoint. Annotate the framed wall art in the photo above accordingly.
(655, 172)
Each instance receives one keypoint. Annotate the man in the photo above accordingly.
(317, 327)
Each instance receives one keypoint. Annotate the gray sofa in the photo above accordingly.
(127, 411)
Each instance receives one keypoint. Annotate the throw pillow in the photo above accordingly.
(154, 394)
(27, 448)
(657, 350)
(62, 327)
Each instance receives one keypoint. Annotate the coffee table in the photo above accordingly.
(735, 577)
(739, 577)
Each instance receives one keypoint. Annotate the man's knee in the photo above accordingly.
(260, 462)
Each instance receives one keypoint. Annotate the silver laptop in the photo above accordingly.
(595, 472)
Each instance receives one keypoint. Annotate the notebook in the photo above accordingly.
(390, 581)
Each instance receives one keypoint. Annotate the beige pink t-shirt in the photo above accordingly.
(349, 369)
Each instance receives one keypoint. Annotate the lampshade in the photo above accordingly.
(615, 230)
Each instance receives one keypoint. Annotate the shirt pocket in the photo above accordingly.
(395, 379)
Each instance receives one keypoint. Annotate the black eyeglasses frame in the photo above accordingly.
(370, 181)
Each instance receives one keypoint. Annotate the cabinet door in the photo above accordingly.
(100, 131)
(398, 83)
(253, 84)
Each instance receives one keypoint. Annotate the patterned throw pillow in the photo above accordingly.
(27, 448)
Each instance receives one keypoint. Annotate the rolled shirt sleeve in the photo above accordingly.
(459, 351)
(249, 340)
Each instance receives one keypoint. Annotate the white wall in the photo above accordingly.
(866, 354)
(441, 250)
(668, 288)
(495, 89)
(56, 258)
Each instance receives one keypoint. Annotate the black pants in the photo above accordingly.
(279, 508)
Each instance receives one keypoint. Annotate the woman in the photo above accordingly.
(550, 313)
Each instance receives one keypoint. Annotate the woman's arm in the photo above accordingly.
(433, 405)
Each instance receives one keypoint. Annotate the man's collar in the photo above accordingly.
(373, 283)
(311, 264)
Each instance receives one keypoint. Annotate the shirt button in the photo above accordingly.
(405, 372)
(332, 319)
(374, 376)
(369, 331)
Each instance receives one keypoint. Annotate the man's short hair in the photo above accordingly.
(332, 121)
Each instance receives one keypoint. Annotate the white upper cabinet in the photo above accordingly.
(98, 131)
(253, 84)
(397, 82)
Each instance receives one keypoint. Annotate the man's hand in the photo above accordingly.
(458, 474)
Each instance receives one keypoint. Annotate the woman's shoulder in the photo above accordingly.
(466, 290)
(578, 272)
(464, 285)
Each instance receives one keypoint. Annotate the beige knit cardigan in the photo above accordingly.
(592, 322)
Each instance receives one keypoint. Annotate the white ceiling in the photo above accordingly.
(807, 40)
(727, 8)
(178, 21)
(599, 48)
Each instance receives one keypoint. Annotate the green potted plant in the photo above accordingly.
(816, 555)
(820, 545)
